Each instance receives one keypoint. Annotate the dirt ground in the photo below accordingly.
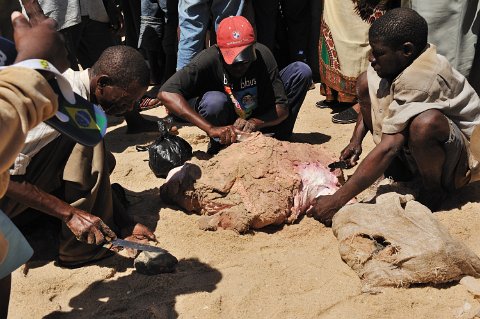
(289, 272)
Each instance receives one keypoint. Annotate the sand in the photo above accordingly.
(290, 272)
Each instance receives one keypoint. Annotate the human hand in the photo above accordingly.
(34, 11)
(244, 125)
(39, 41)
(226, 134)
(138, 233)
(324, 208)
(89, 228)
(351, 154)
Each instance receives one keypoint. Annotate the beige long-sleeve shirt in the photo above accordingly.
(26, 99)
(428, 83)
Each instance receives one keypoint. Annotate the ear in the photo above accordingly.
(408, 50)
(103, 81)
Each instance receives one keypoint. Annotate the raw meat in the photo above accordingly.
(252, 184)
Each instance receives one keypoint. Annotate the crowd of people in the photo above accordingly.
(228, 67)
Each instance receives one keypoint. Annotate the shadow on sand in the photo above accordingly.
(310, 138)
(139, 296)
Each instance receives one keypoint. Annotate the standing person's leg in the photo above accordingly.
(72, 37)
(193, 17)
(95, 38)
(297, 15)
(131, 14)
(296, 78)
(225, 8)
(152, 23)
(266, 12)
(170, 39)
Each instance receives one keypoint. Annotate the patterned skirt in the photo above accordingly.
(351, 19)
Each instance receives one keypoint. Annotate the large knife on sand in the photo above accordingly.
(133, 245)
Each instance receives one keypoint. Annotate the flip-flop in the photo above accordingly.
(345, 117)
(148, 103)
(324, 104)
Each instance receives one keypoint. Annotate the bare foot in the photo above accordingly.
(138, 233)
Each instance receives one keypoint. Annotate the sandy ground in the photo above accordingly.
(289, 272)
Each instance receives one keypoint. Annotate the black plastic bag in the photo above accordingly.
(167, 152)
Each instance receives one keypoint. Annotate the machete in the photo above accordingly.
(133, 245)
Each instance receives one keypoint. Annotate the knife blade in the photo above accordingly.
(133, 245)
(242, 136)
(338, 164)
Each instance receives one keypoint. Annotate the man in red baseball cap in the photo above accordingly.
(235, 86)
(235, 39)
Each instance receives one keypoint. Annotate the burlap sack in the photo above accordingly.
(398, 242)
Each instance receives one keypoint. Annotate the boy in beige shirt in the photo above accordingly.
(421, 113)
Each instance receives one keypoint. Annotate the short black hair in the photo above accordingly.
(124, 65)
(398, 26)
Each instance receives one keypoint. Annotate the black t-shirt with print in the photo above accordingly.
(258, 91)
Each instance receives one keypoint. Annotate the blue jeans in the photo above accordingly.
(217, 108)
(193, 18)
(152, 21)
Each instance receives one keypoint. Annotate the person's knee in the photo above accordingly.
(303, 71)
(212, 104)
(427, 126)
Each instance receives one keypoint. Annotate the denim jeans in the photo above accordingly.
(194, 16)
(152, 22)
(217, 108)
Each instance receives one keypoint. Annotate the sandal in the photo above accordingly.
(345, 117)
(148, 103)
(324, 104)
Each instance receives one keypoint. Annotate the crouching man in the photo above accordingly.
(239, 88)
(421, 113)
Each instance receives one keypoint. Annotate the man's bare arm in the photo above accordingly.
(179, 106)
(86, 227)
(369, 170)
(351, 153)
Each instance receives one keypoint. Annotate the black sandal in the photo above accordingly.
(324, 104)
(345, 117)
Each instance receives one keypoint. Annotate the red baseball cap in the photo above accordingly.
(234, 35)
